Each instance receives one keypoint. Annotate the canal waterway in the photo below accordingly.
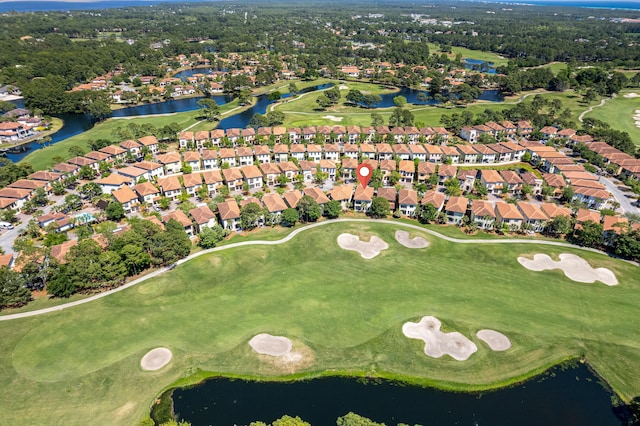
(75, 124)
(570, 396)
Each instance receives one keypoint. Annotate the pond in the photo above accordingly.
(569, 396)
(75, 124)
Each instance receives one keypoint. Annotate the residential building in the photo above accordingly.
(229, 213)
(508, 216)
(455, 209)
(127, 198)
(483, 214)
(408, 202)
(203, 217)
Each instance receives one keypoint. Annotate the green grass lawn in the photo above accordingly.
(472, 54)
(344, 313)
(619, 114)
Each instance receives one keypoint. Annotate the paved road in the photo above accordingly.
(288, 238)
(8, 237)
(625, 202)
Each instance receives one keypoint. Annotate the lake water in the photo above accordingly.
(75, 124)
(573, 396)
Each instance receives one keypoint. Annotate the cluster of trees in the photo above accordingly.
(94, 263)
(349, 419)
(270, 119)
(47, 65)
(11, 172)
(539, 112)
(328, 97)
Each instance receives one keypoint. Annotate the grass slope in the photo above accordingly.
(345, 313)
(619, 112)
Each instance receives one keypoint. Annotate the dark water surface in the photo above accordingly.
(75, 124)
(573, 396)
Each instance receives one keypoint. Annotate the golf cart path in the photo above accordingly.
(289, 238)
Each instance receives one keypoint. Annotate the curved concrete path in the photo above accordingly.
(588, 110)
(289, 238)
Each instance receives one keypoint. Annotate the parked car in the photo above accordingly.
(6, 225)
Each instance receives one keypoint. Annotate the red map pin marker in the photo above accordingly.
(364, 173)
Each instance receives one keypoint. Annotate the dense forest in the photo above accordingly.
(77, 46)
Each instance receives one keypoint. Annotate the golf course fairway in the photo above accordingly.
(342, 312)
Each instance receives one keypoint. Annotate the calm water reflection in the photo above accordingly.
(570, 397)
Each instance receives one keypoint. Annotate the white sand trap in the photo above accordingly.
(496, 340)
(155, 359)
(631, 95)
(574, 267)
(368, 250)
(333, 118)
(438, 343)
(403, 238)
(343, 87)
(266, 344)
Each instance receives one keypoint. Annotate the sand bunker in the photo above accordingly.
(438, 343)
(574, 267)
(333, 118)
(155, 359)
(343, 87)
(403, 238)
(368, 250)
(636, 118)
(266, 344)
(496, 341)
(631, 95)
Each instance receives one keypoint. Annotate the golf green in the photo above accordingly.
(343, 313)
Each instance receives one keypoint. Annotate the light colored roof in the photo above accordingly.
(146, 188)
(491, 176)
(202, 214)
(179, 216)
(407, 166)
(511, 177)
(270, 169)
(341, 192)
(274, 203)
(45, 176)
(447, 170)
(212, 176)
(553, 210)
(148, 165)
(229, 210)
(436, 199)
(614, 223)
(407, 196)
(124, 194)
(481, 208)
(508, 211)
(131, 171)
(171, 157)
(170, 183)
(457, 204)
(113, 179)
(288, 166)
(232, 174)
(250, 172)
(389, 165)
(191, 156)
(292, 198)
(363, 194)
(192, 179)
(148, 140)
(583, 215)
(531, 211)
(317, 194)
